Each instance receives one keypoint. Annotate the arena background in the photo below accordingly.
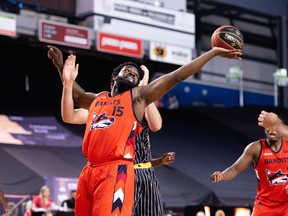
(208, 130)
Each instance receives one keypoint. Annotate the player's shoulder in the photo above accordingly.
(102, 93)
(254, 146)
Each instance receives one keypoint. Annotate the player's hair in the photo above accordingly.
(119, 68)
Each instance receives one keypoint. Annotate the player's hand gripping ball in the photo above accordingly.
(228, 37)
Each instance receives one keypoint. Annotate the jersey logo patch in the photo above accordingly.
(101, 121)
(276, 178)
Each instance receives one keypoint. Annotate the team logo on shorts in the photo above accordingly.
(276, 178)
(101, 121)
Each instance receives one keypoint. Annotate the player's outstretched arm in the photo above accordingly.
(69, 114)
(80, 96)
(248, 156)
(152, 113)
(167, 159)
(158, 87)
(56, 55)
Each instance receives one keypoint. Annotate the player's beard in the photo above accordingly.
(123, 85)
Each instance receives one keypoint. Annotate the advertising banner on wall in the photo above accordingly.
(169, 54)
(146, 14)
(139, 20)
(64, 34)
(119, 45)
(40, 130)
(7, 24)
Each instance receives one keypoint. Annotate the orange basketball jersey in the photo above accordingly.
(272, 173)
(111, 128)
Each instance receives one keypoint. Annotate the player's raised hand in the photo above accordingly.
(70, 70)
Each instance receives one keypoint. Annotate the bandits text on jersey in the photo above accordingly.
(105, 103)
(276, 160)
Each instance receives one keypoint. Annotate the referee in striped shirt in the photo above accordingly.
(147, 196)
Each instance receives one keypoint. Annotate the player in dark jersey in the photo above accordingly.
(126, 95)
(147, 194)
(269, 157)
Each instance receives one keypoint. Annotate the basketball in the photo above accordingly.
(228, 37)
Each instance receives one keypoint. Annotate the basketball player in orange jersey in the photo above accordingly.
(147, 194)
(106, 183)
(270, 159)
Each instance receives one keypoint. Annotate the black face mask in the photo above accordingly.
(123, 85)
